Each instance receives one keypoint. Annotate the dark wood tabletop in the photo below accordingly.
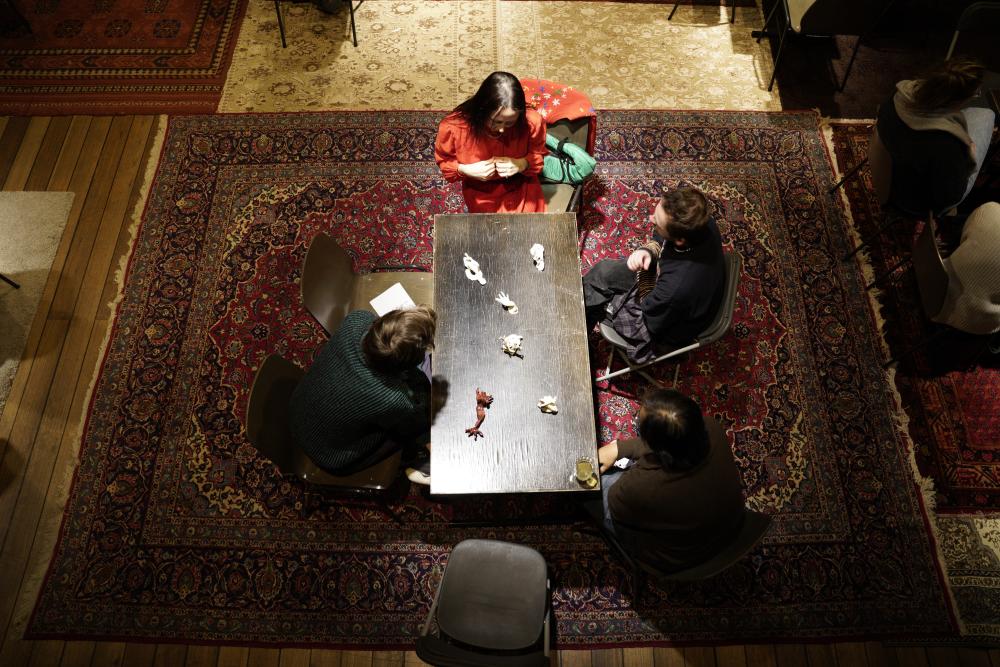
(522, 449)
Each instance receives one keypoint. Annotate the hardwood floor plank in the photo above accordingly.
(791, 655)
(264, 657)
(10, 141)
(973, 657)
(69, 157)
(821, 655)
(668, 657)
(90, 217)
(356, 658)
(46, 653)
(880, 656)
(387, 658)
(942, 656)
(320, 657)
(410, 659)
(761, 655)
(26, 153)
(730, 656)
(48, 153)
(170, 655)
(608, 657)
(637, 657)
(201, 656)
(851, 653)
(108, 654)
(294, 657)
(699, 656)
(233, 656)
(77, 654)
(575, 659)
(70, 152)
(139, 655)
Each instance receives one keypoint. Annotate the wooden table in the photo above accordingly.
(523, 450)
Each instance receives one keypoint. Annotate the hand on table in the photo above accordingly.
(510, 166)
(639, 260)
(607, 455)
(481, 171)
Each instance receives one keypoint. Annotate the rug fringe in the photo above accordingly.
(50, 525)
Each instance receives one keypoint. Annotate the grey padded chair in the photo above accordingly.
(330, 288)
(714, 331)
(268, 429)
(565, 197)
(491, 608)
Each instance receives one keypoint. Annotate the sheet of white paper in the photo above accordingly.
(394, 298)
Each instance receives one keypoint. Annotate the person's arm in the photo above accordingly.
(446, 151)
(952, 169)
(660, 306)
(531, 163)
(414, 418)
(633, 448)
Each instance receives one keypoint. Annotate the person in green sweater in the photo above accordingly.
(365, 395)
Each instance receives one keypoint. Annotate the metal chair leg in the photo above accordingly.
(281, 23)
(673, 11)
(885, 225)
(354, 30)
(850, 63)
(777, 59)
(850, 173)
(9, 281)
(760, 34)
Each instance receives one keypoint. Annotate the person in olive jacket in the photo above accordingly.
(680, 499)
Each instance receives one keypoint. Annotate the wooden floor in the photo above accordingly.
(102, 160)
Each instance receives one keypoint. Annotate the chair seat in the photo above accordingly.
(558, 196)
(376, 477)
(419, 285)
(493, 595)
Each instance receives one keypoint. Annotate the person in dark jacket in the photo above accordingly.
(681, 273)
(679, 501)
(365, 397)
(936, 139)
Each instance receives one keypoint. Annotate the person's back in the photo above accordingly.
(973, 298)
(344, 410)
(677, 519)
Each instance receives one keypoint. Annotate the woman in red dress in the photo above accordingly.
(495, 146)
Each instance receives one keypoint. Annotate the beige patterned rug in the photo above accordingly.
(432, 55)
(31, 224)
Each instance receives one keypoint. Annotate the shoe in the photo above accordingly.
(418, 470)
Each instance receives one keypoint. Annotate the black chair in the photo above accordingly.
(565, 197)
(330, 288)
(751, 532)
(268, 428)
(714, 331)
(823, 17)
(732, 15)
(326, 6)
(491, 608)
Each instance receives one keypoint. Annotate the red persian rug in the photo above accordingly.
(950, 389)
(117, 56)
(176, 529)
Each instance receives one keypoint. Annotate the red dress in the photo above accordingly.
(521, 193)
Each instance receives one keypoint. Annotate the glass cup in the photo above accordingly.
(586, 474)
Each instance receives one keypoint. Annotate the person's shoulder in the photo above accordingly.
(534, 118)
(454, 120)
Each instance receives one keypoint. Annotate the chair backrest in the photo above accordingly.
(976, 34)
(575, 131)
(327, 282)
(751, 532)
(834, 17)
(880, 167)
(724, 316)
(267, 414)
(492, 619)
(932, 276)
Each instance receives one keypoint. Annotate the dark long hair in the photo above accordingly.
(500, 90)
(948, 84)
(671, 425)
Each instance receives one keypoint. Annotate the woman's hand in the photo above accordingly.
(607, 455)
(481, 171)
(510, 166)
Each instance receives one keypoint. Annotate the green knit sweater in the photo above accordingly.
(342, 410)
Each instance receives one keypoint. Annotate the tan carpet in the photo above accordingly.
(31, 225)
(432, 55)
